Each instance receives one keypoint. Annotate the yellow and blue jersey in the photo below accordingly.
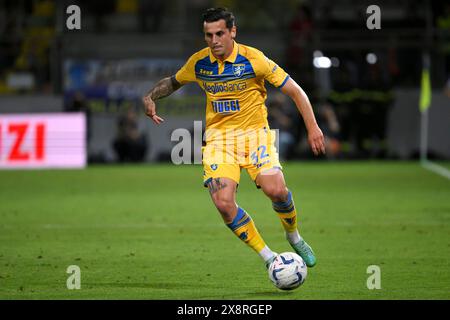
(235, 88)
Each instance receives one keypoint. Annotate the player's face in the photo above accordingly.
(219, 38)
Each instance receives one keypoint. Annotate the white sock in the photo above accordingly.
(266, 253)
(293, 237)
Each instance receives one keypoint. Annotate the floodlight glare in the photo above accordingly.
(371, 58)
(322, 62)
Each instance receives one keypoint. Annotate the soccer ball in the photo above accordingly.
(288, 271)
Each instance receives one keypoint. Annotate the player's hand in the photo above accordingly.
(316, 140)
(150, 110)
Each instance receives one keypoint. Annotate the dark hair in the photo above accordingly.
(216, 14)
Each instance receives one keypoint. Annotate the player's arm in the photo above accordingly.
(163, 88)
(315, 135)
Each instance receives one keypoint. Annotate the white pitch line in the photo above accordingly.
(440, 170)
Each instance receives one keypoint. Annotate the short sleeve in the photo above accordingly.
(187, 72)
(274, 73)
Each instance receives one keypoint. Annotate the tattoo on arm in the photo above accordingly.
(215, 185)
(164, 88)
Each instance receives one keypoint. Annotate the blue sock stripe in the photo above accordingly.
(288, 207)
(284, 210)
(241, 219)
(283, 204)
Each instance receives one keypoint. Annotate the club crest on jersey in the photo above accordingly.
(214, 166)
(238, 69)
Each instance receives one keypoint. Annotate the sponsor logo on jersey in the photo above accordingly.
(225, 106)
(224, 87)
(206, 72)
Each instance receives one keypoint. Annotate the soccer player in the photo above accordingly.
(233, 76)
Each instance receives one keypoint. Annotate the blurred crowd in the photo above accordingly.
(351, 102)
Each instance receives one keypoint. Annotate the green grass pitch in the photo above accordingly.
(151, 232)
